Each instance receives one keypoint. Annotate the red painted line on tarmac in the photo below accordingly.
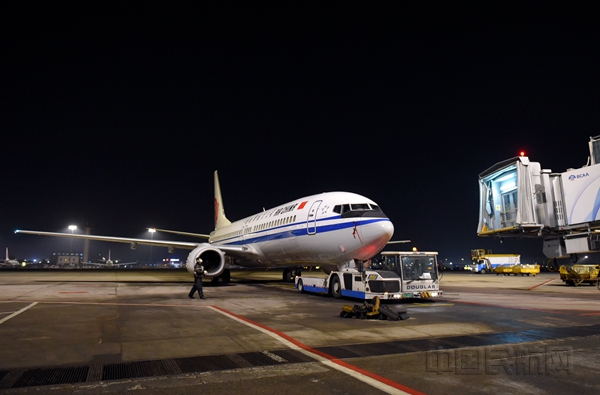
(74, 292)
(544, 283)
(324, 355)
(117, 304)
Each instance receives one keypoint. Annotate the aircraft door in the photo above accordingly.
(311, 222)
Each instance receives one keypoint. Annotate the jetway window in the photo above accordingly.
(595, 149)
(509, 209)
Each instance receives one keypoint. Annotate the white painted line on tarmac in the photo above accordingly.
(386, 385)
(16, 313)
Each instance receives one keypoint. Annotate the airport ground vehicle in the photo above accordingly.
(399, 275)
(486, 262)
(523, 270)
(579, 274)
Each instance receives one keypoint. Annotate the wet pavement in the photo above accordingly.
(107, 331)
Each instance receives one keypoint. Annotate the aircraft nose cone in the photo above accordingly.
(387, 230)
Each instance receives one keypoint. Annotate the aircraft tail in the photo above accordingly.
(220, 218)
(7, 253)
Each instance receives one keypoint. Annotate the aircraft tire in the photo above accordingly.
(226, 276)
(287, 275)
(336, 290)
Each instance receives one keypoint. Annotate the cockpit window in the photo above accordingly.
(344, 208)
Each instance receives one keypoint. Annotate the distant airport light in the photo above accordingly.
(522, 153)
(72, 228)
(414, 249)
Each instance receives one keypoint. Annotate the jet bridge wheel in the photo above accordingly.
(336, 288)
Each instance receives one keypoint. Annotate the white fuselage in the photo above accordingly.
(309, 231)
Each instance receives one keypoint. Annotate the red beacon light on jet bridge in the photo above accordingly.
(522, 153)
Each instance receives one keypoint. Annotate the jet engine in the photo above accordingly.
(213, 259)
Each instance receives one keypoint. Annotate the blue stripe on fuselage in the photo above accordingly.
(286, 231)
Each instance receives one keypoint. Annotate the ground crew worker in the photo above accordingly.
(199, 272)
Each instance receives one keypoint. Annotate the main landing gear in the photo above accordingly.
(290, 274)
(225, 277)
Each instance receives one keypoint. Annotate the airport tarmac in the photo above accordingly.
(111, 331)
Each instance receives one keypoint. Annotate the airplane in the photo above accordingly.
(9, 262)
(110, 263)
(325, 230)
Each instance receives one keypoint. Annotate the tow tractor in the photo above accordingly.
(399, 275)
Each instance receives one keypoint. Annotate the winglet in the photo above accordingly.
(220, 218)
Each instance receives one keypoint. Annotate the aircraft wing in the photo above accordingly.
(134, 242)
(112, 264)
(398, 242)
(243, 251)
(178, 232)
(125, 263)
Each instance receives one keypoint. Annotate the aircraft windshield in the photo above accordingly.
(359, 210)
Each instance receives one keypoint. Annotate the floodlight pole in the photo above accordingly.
(71, 228)
(152, 231)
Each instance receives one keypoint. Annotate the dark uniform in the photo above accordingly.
(199, 272)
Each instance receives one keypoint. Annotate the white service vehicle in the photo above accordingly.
(400, 275)
(486, 262)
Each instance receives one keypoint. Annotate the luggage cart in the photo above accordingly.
(526, 270)
(579, 274)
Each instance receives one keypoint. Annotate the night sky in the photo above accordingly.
(115, 114)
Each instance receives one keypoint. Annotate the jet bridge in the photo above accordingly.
(520, 199)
